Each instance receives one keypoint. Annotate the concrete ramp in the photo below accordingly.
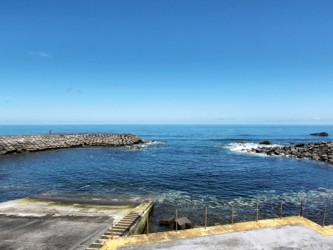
(57, 223)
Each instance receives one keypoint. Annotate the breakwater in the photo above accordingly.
(29, 143)
(322, 151)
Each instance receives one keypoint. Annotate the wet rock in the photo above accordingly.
(316, 151)
(167, 222)
(265, 143)
(320, 134)
(183, 223)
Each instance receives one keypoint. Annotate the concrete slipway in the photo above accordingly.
(68, 223)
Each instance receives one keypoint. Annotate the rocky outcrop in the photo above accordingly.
(320, 134)
(28, 143)
(322, 151)
(265, 143)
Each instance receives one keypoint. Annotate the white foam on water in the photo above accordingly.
(247, 147)
(177, 197)
(313, 198)
(153, 143)
(85, 186)
(144, 145)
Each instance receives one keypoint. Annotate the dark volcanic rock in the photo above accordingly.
(27, 143)
(322, 151)
(167, 222)
(265, 143)
(320, 134)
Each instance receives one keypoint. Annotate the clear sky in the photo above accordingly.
(166, 61)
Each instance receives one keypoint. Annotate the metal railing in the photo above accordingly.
(205, 216)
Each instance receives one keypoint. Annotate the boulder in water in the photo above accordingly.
(320, 134)
(183, 223)
(167, 222)
(265, 143)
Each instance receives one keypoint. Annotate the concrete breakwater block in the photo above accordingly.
(183, 223)
(29, 143)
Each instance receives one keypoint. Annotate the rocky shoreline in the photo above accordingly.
(29, 143)
(318, 151)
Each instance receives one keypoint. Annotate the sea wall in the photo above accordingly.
(28, 143)
(322, 151)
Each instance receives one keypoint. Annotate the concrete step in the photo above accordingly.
(96, 245)
(123, 225)
(118, 227)
(114, 233)
(126, 221)
(131, 215)
(118, 230)
(131, 219)
(121, 230)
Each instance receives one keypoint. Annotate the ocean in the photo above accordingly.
(187, 167)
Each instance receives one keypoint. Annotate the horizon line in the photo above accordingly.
(178, 124)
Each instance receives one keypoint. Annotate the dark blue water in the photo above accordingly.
(190, 167)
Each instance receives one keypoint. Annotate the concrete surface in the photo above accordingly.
(296, 232)
(39, 233)
(286, 237)
(40, 207)
(37, 224)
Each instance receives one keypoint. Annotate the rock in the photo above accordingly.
(265, 143)
(320, 134)
(183, 223)
(322, 151)
(167, 222)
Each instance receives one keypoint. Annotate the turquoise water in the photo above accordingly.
(189, 168)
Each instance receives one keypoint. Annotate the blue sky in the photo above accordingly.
(166, 61)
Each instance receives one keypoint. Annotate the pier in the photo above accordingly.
(30, 143)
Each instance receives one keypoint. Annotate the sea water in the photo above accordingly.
(187, 167)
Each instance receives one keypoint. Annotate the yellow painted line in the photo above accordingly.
(214, 230)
